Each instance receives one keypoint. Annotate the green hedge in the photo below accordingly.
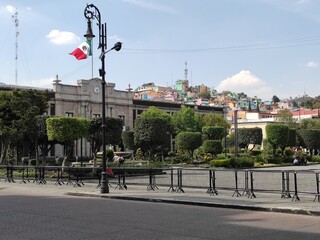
(241, 162)
(220, 163)
(315, 159)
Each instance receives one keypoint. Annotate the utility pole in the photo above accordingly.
(16, 22)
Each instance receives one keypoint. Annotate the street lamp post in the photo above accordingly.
(91, 12)
(235, 115)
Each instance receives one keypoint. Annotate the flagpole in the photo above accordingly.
(91, 60)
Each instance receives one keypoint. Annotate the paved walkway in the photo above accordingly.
(227, 199)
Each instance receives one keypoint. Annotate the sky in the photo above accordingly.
(259, 47)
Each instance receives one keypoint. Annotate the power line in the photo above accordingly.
(290, 43)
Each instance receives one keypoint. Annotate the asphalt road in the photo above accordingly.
(31, 217)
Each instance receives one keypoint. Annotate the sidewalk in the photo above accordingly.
(263, 202)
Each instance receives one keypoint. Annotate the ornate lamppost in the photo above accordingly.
(91, 12)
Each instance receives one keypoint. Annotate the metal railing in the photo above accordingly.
(242, 182)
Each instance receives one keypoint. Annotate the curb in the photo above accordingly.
(200, 204)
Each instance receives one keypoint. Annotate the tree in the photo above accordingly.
(275, 99)
(187, 120)
(150, 135)
(128, 139)
(113, 130)
(213, 133)
(188, 141)
(292, 137)
(113, 134)
(213, 119)
(310, 138)
(66, 130)
(212, 146)
(7, 117)
(18, 110)
(285, 116)
(248, 136)
(205, 95)
(310, 124)
(42, 138)
(295, 104)
(154, 112)
(277, 136)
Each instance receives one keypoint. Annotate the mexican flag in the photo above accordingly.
(82, 51)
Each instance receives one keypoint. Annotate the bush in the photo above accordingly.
(288, 152)
(139, 154)
(109, 154)
(241, 162)
(315, 159)
(259, 158)
(255, 152)
(212, 146)
(198, 154)
(233, 162)
(287, 159)
(183, 156)
(274, 160)
(213, 133)
(171, 154)
(208, 157)
(220, 163)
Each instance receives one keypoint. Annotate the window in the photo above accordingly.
(52, 109)
(68, 114)
(96, 115)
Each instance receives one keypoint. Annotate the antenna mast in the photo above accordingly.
(16, 22)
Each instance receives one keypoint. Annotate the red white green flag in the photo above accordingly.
(83, 51)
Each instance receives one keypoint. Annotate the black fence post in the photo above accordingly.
(212, 183)
(152, 181)
(22, 177)
(251, 194)
(59, 177)
(179, 188)
(285, 193)
(246, 191)
(9, 174)
(236, 191)
(295, 196)
(318, 193)
(171, 188)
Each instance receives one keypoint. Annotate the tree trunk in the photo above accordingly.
(4, 149)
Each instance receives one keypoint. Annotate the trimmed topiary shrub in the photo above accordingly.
(212, 146)
(188, 141)
(213, 133)
(241, 162)
(128, 139)
(220, 163)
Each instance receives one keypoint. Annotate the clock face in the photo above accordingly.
(96, 90)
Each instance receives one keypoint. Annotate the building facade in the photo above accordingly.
(85, 100)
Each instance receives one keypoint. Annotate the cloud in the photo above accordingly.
(151, 5)
(60, 38)
(312, 64)
(11, 9)
(246, 82)
(302, 1)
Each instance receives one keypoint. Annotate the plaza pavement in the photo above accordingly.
(191, 196)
